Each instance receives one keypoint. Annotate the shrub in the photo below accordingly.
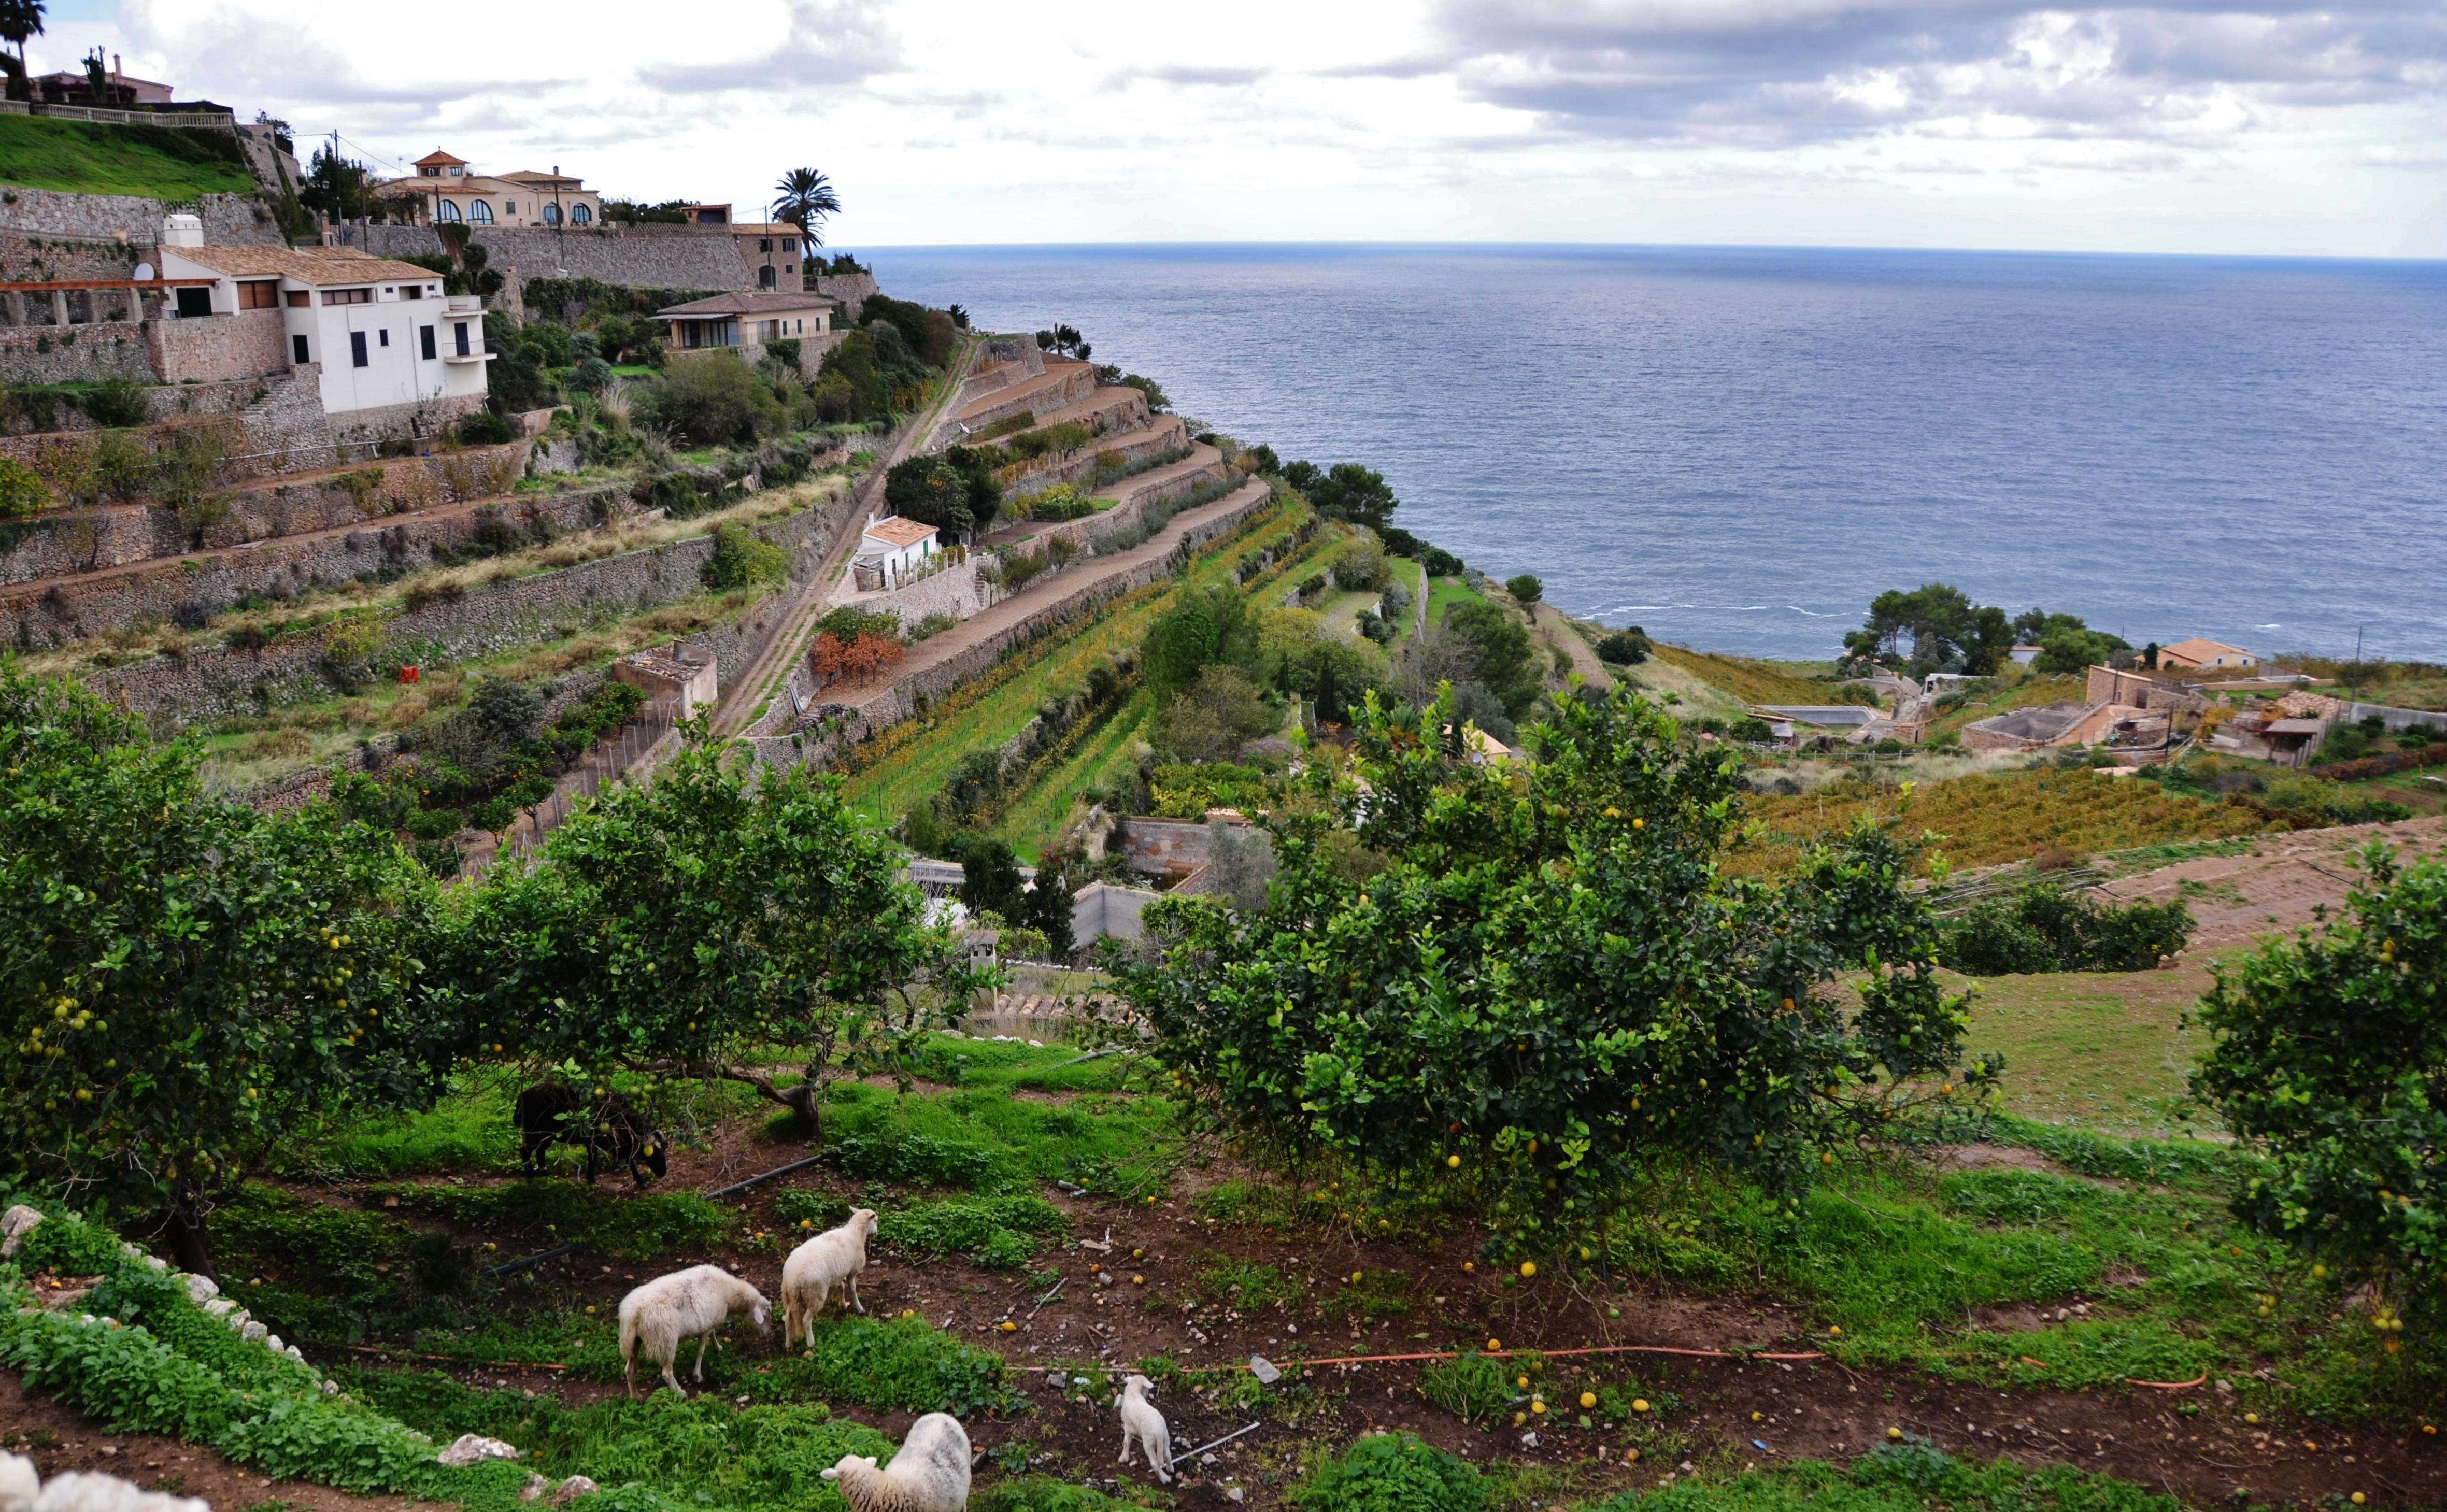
(1526, 588)
(710, 398)
(118, 402)
(2330, 1054)
(1393, 1472)
(2046, 929)
(21, 490)
(743, 559)
(993, 1232)
(1471, 1386)
(485, 428)
(1059, 503)
(860, 656)
(1624, 648)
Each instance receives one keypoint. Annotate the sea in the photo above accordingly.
(1738, 448)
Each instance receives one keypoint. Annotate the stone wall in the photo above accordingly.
(229, 220)
(167, 401)
(1163, 847)
(286, 430)
(246, 344)
(207, 681)
(955, 591)
(73, 354)
(852, 289)
(640, 256)
(60, 613)
(417, 419)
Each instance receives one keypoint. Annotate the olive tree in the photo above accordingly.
(689, 925)
(183, 979)
(2329, 1053)
(1543, 976)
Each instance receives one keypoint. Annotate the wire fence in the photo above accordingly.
(597, 768)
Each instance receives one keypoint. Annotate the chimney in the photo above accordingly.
(183, 230)
(114, 67)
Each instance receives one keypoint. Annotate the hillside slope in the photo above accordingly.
(157, 162)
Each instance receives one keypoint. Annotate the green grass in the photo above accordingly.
(466, 1134)
(1413, 578)
(1035, 819)
(1447, 593)
(156, 163)
(985, 1140)
(1912, 1475)
(1750, 680)
(2107, 1050)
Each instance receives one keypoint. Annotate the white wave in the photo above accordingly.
(1744, 608)
(1811, 613)
(2268, 627)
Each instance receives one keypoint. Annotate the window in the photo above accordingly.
(764, 244)
(412, 292)
(786, 268)
(347, 296)
(509, 207)
(454, 173)
(579, 215)
(552, 214)
(480, 212)
(446, 212)
(385, 336)
(262, 294)
(459, 328)
(765, 276)
(424, 334)
(357, 349)
(298, 299)
(195, 302)
(298, 345)
(790, 243)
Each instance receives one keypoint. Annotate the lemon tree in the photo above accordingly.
(691, 925)
(2330, 1054)
(182, 977)
(1536, 977)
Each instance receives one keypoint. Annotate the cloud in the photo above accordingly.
(1779, 72)
(829, 42)
(1184, 74)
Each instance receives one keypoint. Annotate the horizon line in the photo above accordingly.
(1253, 245)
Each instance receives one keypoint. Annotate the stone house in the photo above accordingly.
(2187, 655)
(452, 192)
(386, 344)
(771, 250)
(748, 323)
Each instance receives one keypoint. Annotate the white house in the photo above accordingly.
(2186, 656)
(387, 341)
(892, 550)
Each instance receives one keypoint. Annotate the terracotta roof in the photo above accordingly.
(745, 304)
(763, 228)
(308, 265)
(439, 158)
(2199, 650)
(543, 181)
(898, 531)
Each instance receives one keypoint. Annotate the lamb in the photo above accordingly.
(689, 1304)
(1140, 1421)
(82, 1491)
(831, 1258)
(930, 1474)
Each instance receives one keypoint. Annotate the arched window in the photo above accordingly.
(579, 215)
(446, 212)
(551, 215)
(479, 212)
(765, 276)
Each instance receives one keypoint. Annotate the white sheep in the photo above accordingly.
(15, 1225)
(19, 1484)
(1140, 1421)
(684, 1305)
(930, 1474)
(86, 1491)
(831, 1258)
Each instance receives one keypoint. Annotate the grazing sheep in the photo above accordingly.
(684, 1305)
(19, 1485)
(610, 1130)
(831, 1258)
(930, 1474)
(87, 1491)
(1140, 1421)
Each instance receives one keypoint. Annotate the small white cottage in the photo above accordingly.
(893, 550)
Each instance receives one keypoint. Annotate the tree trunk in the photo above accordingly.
(800, 1100)
(188, 1241)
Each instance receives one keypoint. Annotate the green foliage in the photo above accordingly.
(1526, 588)
(1908, 1475)
(1550, 978)
(2047, 929)
(485, 428)
(722, 906)
(625, 1226)
(1347, 491)
(21, 490)
(2073, 652)
(954, 491)
(153, 162)
(711, 397)
(1060, 503)
(1393, 1472)
(1043, 1493)
(1945, 629)
(1210, 719)
(904, 1364)
(1470, 1385)
(2331, 1054)
(188, 978)
(118, 402)
(742, 559)
(993, 1232)
(1495, 653)
(930, 334)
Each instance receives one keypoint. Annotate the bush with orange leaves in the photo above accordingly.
(854, 658)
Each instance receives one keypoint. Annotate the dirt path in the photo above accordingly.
(2276, 884)
(744, 701)
(1584, 657)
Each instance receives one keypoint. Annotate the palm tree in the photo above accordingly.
(805, 195)
(19, 20)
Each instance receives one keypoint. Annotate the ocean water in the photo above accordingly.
(1738, 447)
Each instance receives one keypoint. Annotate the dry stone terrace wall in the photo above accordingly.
(229, 220)
(168, 402)
(248, 341)
(210, 682)
(74, 355)
(642, 257)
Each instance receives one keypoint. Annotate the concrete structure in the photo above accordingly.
(121, 89)
(893, 550)
(452, 192)
(749, 323)
(2185, 655)
(382, 334)
(1102, 911)
(2024, 656)
(677, 679)
(771, 251)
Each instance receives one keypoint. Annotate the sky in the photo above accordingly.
(2219, 126)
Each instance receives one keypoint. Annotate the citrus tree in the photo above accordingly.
(689, 925)
(1536, 975)
(183, 979)
(2330, 1054)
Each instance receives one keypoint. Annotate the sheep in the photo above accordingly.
(1140, 1421)
(684, 1305)
(831, 1258)
(19, 1484)
(930, 1474)
(89, 1491)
